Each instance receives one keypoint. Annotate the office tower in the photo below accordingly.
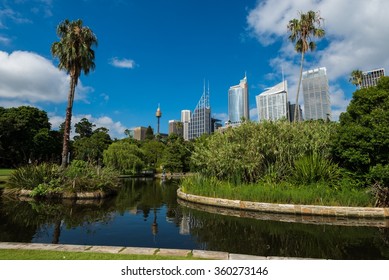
(175, 127)
(185, 119)
(292, 108)
(370, 78)
(238, 102)
(200, 120)
(272, 104)
(140, 133)
(316, 94)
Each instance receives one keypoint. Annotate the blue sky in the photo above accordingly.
(154, 52)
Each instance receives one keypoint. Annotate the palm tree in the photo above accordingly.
(301, 32)
(356, 78)
(75, 54)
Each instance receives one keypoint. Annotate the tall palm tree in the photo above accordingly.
(302, 32)
(75, 54)
(356, 78)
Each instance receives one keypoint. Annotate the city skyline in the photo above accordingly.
(157, 52)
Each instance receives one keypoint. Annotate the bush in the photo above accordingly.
(268, 150)
(379, 174)
(315, 168)
(30, 176)
(80, 176)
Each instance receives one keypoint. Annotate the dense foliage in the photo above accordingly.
(362, 142)
(51, 180)
(265, 151)
(26, 136)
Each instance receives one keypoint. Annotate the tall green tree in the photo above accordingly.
(75, 54)
(302, 31)
(84, 128)
(362, 140)
(356, 78)
(18, 131)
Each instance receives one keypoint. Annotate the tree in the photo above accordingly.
(84, 128)
(125, 157)
(91, 148)
(362, 140)
(149, 133)
(356, 78)
(153, 151)
(75, 54)
(18, 128)
(301, 32)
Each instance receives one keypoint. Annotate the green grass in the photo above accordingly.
(19, 254)
(4, 174)
(313, 194)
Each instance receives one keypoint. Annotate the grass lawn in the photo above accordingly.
(4, 173)
(19, 254)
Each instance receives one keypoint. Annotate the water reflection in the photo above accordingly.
(145, 213)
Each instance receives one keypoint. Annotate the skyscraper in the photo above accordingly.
(273, 104)
(316, 94)
(370, 78)
(238, 102)
(200, 120)
(185, 120)
(175, 127)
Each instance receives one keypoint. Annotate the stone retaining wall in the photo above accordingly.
(316, 210)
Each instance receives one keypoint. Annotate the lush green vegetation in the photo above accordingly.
(284, 192)
(52, 180)
(19, 254)
(267, 151)
(312, 162)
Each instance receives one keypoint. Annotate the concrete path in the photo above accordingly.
(135, 250)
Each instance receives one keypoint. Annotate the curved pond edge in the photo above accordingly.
(328, 214)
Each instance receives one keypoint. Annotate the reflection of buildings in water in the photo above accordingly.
(133, 210)
(185, 224)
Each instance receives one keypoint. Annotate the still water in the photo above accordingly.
(146, 213)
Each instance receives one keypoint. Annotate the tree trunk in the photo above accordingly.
(68, 119)
(296, 108)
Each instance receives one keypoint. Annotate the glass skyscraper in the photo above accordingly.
(238, 102)
(273, 104)
(200, 121)
(317, 103)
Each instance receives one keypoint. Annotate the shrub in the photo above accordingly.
(314, 168)
(48, 179)
(268, 150)
(379, 174)
(30, 176)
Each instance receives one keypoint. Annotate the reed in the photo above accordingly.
(284, 192)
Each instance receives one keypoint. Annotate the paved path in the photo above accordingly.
(136, 250)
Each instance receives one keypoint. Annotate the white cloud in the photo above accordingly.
(116, 129)
(4, 40)
(123, 63)
(356, 38)
(26, 77)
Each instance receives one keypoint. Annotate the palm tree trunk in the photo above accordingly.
(296, 108)
(68, 119)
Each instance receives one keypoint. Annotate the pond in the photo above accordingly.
(146, 213)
